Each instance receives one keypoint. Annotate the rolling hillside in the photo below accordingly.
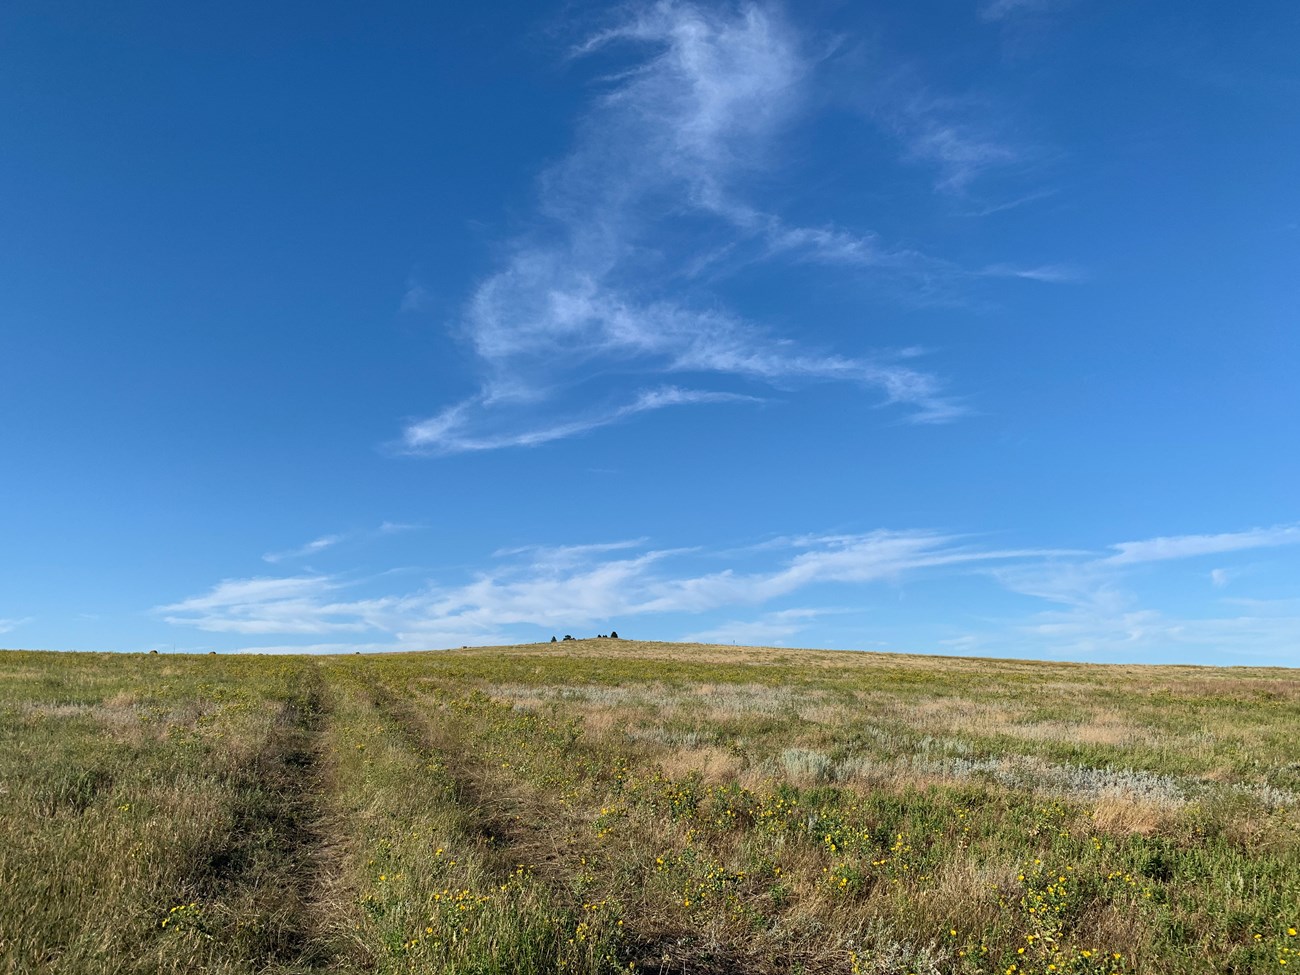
(611, 805)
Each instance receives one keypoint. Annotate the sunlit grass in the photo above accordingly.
(603, 806)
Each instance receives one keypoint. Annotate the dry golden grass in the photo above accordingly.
(713, 765)
(1125, 815)
(588, 806)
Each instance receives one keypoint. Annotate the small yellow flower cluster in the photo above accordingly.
(717, 883)
(462, 900)
(608, 819)
(1049, 898)
(1288, 950)
(184, 917)
(843, 877)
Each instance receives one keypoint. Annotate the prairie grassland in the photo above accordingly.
(607, 806)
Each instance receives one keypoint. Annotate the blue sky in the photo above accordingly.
(955, 327)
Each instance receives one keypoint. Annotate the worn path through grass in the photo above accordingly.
(614, 806)
(165, 821)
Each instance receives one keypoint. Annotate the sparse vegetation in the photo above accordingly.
(636, 806)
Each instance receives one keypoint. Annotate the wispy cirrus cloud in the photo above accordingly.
(310, 548)
(1046, 273)
(1094, 580)
(960, 138)
(1220, 578)
(768, 629)
(1190, 546)
(292, 605)
(8, 625)
(452, 431)
(561, 556)
(961, 152)
(568, 586)
(1004, 9)
(416, 298)
(1093, 585)
(526, 592)
(1014, 203)
(397, 527)
(655, 188)
(1101, 615)
(323, 542)
(1154, 635)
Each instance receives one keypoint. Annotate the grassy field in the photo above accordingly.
(610, 805)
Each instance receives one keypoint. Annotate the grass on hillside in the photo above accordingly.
(608, 805)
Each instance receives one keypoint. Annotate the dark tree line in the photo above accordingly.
(612, 635)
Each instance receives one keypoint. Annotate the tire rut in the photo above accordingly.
(511, 832)
(500, 829)
(278, 856)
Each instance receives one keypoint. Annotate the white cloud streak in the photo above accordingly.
(1004, 9)
(1002, 206)
(652, 188)
(1190, 546)
(1045, 273)
(960, 138)
(449, 431)
(8, 625)
(961, 153)
(570, 587)
(562, 556)
(1139, 634)
(1102, 618)
(311, 548)
(297, 605)
(1220, 578)
(768, 630)
(417, 298)
(317, 545)
(1093, 583)
(564, 586)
